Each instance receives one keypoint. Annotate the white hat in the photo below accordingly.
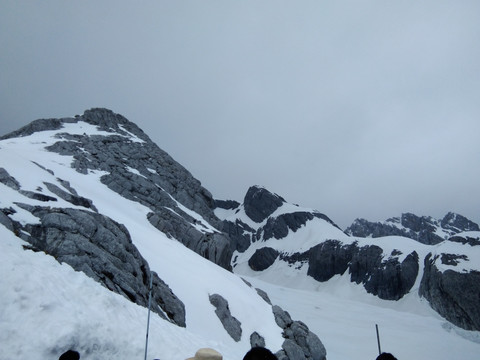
(206, 354)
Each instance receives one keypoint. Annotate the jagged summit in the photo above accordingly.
(259, 203)
(104, 119)
(424, 229)
(264, 215)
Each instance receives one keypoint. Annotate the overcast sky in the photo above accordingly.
(355, 108)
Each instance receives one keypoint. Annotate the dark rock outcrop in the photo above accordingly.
(391, 280)
(241, 235)
(466, 240)
(231, 324)
(103, 250)
(300, 343)
(256, 340)
(259, 203)
(454, 295)
(328, 259)
(226, 204)
(263, 258)
(381, 274)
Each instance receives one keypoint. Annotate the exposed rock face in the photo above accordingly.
(103, 250)
(452, 294)
(259, 203)
(424, 229)
(227, 204)
(458, 223)
(278, 227)
(328, 259)
(240, 234)
(300, 342)
(387, 278)
(140, 171)
(466, 240)
(263, 258)
(231, 324)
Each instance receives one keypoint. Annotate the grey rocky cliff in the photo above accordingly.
(381, 274)
(454, 295)
(157, 181)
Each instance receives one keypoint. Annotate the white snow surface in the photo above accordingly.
(47, 307)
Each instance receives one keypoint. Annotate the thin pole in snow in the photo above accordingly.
(148, 319)
(378, 340)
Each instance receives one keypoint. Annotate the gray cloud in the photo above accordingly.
(356, 109)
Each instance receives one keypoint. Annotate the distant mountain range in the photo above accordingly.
(96, 193)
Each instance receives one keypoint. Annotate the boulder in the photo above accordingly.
(300, 342)
(231, 324)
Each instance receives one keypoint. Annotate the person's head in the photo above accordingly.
(206, 354)
(259, 353)
(386, 356)
(70, 355)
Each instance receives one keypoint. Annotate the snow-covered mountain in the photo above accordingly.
(425, 229)
(273, 236)
(96, 194)
(91, 210)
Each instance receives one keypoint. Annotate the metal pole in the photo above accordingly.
(148, 319)
(378, 340)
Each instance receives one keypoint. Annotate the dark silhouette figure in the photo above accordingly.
(70, 355)
(386, 356)
(259, 353)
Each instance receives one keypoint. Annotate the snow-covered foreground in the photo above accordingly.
(46, 305)
(344, 316)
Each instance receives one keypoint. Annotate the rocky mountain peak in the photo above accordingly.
(457, 223)
(424, 229)
(259, 203)
(135, 167)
